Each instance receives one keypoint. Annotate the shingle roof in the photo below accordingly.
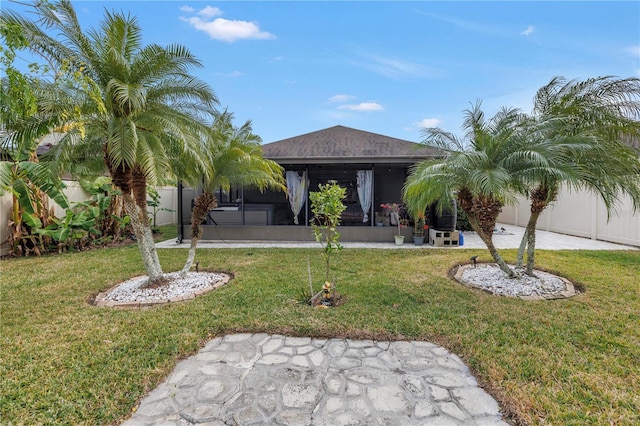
(346, 145)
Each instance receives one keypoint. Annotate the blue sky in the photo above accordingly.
(385, 67)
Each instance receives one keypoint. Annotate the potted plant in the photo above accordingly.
(394, 217)
(418, 230)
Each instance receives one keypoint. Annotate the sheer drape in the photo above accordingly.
(297, 189)
(365, 181)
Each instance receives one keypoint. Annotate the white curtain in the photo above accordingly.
(365, 181)
(297, 189)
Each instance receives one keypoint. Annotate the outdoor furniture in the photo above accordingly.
(352, 215)
(254, 215)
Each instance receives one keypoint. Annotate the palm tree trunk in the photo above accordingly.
(528, 237)
(488, 241)
(139, 188)
(201, 206)
(529, 243)
(541, 196)
(134, 203)
(482, 213)
(139, 191)
(521, 249)
(531, 249)
(146, 245)
(190, 257)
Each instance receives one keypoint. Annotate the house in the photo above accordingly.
(371, 167)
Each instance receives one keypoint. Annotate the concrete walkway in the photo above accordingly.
(260, 379)
(504, 240)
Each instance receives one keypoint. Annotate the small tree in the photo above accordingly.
(231, 156)
(327, 207)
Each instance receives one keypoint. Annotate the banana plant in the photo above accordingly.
(107, 199)
(74, 230)
(31, 184)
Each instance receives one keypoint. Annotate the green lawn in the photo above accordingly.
(573, 361)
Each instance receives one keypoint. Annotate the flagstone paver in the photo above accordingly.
(251, 379)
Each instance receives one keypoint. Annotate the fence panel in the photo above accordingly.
(582, 214)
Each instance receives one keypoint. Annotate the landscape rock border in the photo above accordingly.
(103, 298)
(569, 290)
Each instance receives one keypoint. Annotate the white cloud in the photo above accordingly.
(396, 68)
(428, 122)
(276, 59)
(223, 29)
(634, 50)
(341, 98)
(530, 29)
(232, 74)
(209, 12)
(227, 30)
(363, 106)
(461, 23)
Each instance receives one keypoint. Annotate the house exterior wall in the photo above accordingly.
(299, 233)
(582, 214)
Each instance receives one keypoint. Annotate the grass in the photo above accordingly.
(64, 361)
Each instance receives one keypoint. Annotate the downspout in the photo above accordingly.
(179, 240)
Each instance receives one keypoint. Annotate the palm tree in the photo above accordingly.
(584, 124)
(233, 156)
(137, 106)
(476, 171)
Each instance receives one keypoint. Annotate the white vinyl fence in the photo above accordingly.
(582, 214)
(75, 193)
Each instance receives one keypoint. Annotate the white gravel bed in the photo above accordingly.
(130, 291)
(489, 277)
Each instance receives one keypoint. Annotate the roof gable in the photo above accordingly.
(344, 144)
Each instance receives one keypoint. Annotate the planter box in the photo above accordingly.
(443, 238)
